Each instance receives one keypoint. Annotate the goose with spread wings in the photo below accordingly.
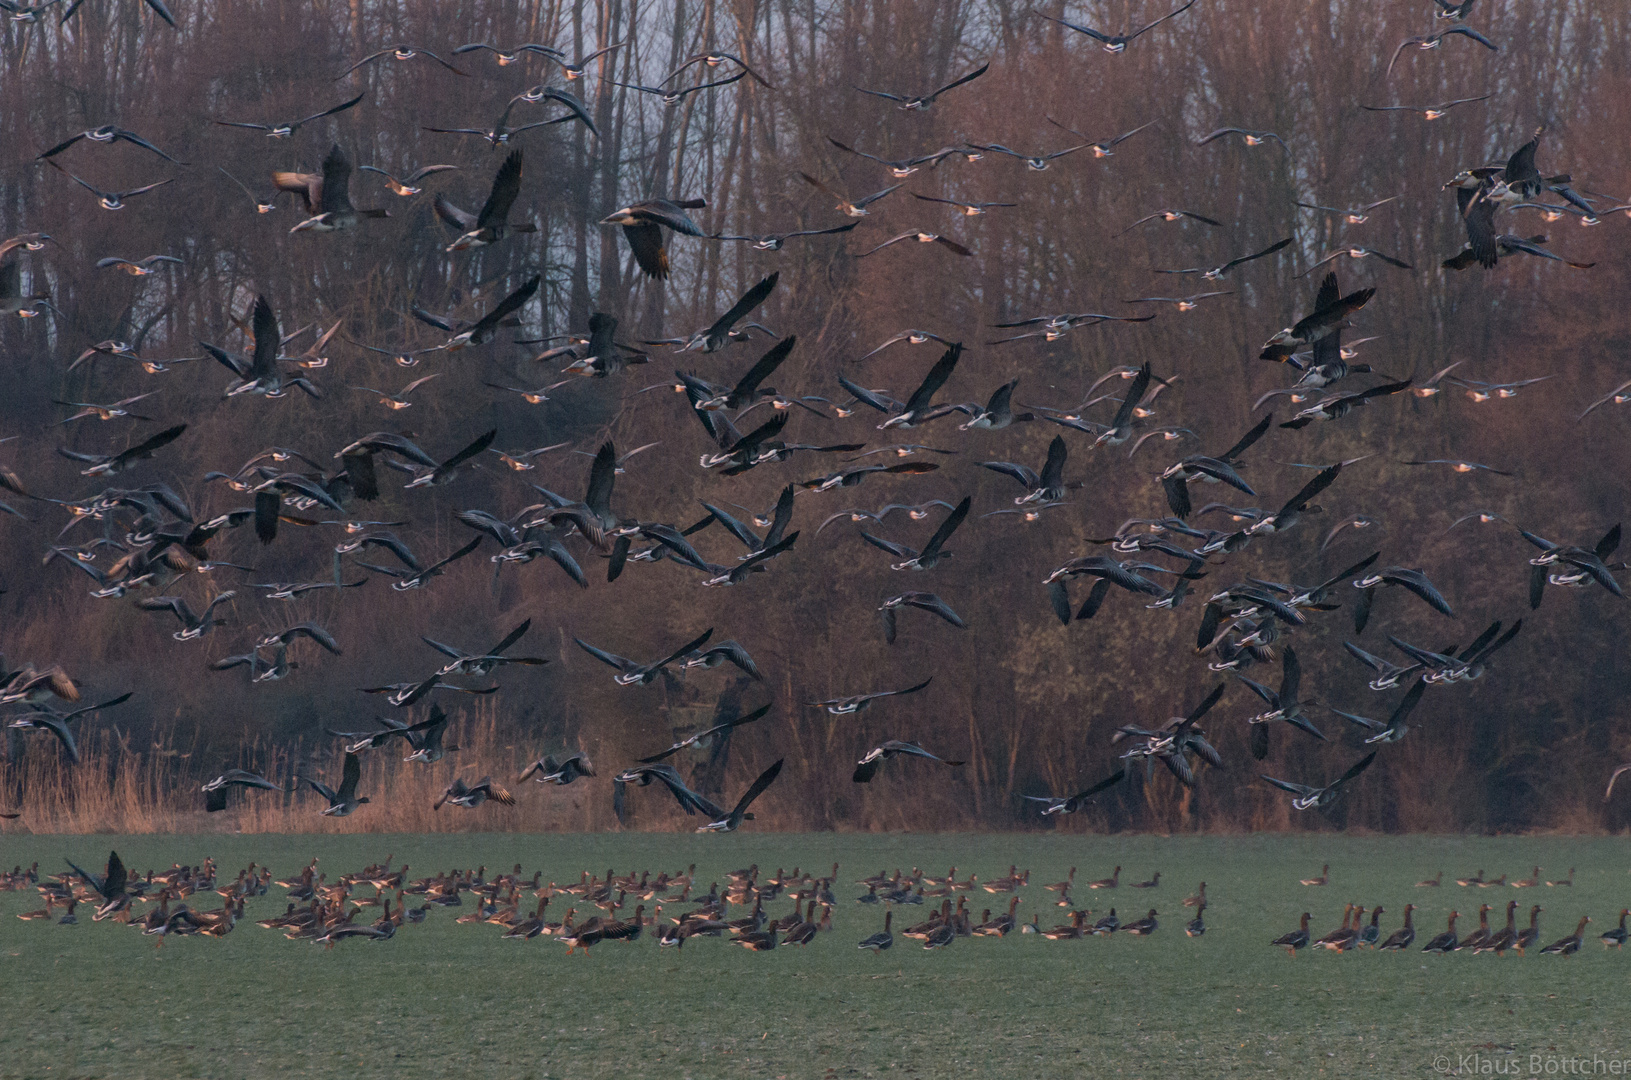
(464, 663)
(1414, 581)
(492, 223)
(923, 601)
(700, 737)
(1282, 705)
(43, 719)
(643, 224)
(1395, 728)
(1306, 796)
(1176, 478)
(259, 373)
(1217, 273)
(732, 821)
(1115, 43)
(1049, 486)
(284, 129)
(908, 102)
(844, 706)
(483, 330)
(327, 195)
(192, 626)
(110, 464)
(215, 790)
(343, 800)
(690, 801)
(869, 766)
(630, 672)
(931, 555)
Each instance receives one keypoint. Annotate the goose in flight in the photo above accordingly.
(1183, 303)
(1617, 396)
(259, 374)
(672, 96)
(1115, 43)
(911, 337)
(464, 663)
(643, 225)
(844, 706)
(1102, 148)
(327, 195)
(1305, 796)
(501, 133)
(342, 800)
(137, 267)
(1218, 273)
(1175, 479)
(690, 801)
(507, 55)
(1055, 804)
(111, 464)
(117, 410)
(13, 301)
(713, 60)
(732, 821)
(398, 52)
(1428, 112)
(192, 626)
(1330, 315)
(1171, 216)
(110, 200)
(922, 238)
(414, 575)
(931, 555)
(411, 183)
(1358, 253)
(1355, 216)
(1253, 138)
(851, 208)
(283, 130)
(775, 241)
(1340, 405)
(702, 737)
(924, 101)
(1049, 486)
(869, 766)
(262, 206)
(1413, 581)
(902, 168)
(630, 673)
(483, 330)
(719, 333)
(921, 600)
(399, 400)
(471, 796)
(967, 209)
(549, 771)
(107, 135)
(1034, 162)
(215, 791)
(1282, 705)
(45, 719)
(1395, 728)
(1434, 40)
(492, 223)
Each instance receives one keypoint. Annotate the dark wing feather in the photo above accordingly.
(506, 186)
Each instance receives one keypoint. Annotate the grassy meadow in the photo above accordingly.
(99, 1000)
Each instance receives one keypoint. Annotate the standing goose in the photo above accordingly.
(1196, 927)
(1445, 942)
(1371, 933)
(1569, 945)
(1531, 933)
(1477, 938)
(1403, 937)
(1616, 937)
(883, 939)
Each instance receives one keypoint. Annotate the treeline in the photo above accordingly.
(1028, 703)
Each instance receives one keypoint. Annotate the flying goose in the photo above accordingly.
(46, 719)
(1428, 112)
(775, 241)
(501, 133)
(927, 100)
(1395, 728)
(900, 169)
(110, 200)
(856, 208)
(549, 771)
(720, 332)
(1171, 216)
(1434, 40)
(923, 238)
(464, 663)
(216, 789)
(846, 705)
(1340, 405)
(1175, 479)
(117, 410)
(967, 209)
(1049, 486)
(732, 821)
(1034, 162)
(630, 673)
(285, 130)
(137, 267)
(413, 574)
(1306, 796)
(703, 737)
(1414, 581)
(1102, 148)
(931, 555)
(471, 796)
(713, 60)
(399, 400)
(259, 374)
(1115, 43)
(344, 800)
(192, 626)
(691, 802)
(483, 330)
(924, 601)
(327, 195)
(1253, 138)
(1218, 273)
(643, 225)
(1283, 705)
(1355, 216)
(107, 134)
(409, 184)
(672, 96)
(868, 766)
(398, 52)
(111, 464)
(492, 223)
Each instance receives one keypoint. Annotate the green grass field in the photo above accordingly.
(99, 1000)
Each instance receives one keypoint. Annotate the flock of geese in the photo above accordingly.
(1354, 933)
(142, 539)
(328, 912)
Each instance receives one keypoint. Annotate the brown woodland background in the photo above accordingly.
(1031, 704)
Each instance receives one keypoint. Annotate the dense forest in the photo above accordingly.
(1029, 704)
